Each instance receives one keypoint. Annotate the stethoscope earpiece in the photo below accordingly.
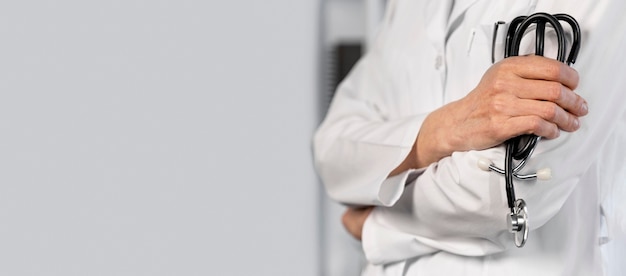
(541, 174)
(544, 174)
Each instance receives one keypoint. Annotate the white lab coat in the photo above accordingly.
(449, 218)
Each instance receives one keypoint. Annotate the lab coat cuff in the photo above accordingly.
(384, 245)
(393, 187)
(357, 171)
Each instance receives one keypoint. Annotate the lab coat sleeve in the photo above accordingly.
(454, 206)
(356, 147)
(362, 139)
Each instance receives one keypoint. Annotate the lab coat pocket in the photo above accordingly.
(494, 35)
(496, 32)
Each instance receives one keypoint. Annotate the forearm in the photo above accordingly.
(355, 168)
(430, 145)
(455, 207)
(510, 100)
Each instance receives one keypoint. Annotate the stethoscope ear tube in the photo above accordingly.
(540, 19)
(573, 54)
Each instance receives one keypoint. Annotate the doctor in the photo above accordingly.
(407, 127)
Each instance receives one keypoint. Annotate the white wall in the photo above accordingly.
(165, 137)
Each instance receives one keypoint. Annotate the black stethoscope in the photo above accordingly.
(520, 148)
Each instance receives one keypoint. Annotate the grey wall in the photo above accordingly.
(165, 137)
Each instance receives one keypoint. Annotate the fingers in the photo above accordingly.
(518, 95)
(541, 68)
(354, 218)
(553, 92)
(549, 112)
(531, 125)
(545, 101)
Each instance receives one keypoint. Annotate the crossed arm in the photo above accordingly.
(519, 95)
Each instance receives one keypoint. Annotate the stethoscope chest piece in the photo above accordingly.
(518, 221)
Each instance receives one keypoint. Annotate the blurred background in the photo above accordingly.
(172, 137)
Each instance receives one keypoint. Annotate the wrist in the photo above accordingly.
(435, 140)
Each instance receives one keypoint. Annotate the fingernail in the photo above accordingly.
(576, 123)
(584, 107)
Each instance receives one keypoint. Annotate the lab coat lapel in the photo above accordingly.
(460, 6)
(436, 15)
(441, 16)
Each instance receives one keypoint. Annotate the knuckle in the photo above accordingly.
(574, 123)
(504, 67)
(549, 111)
(578, 100)
(516, 60)
(498, 104)
(580, 104)
(554, 92)
(576, 78)
(554, 70)
(535, 125)
(506, 63)
(553, 131)
(500, 84)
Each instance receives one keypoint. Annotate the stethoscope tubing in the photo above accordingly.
(521, 148)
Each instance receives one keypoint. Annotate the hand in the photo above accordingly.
(354, 218)
(518, 95)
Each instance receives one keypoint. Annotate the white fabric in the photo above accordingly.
(449, 219)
